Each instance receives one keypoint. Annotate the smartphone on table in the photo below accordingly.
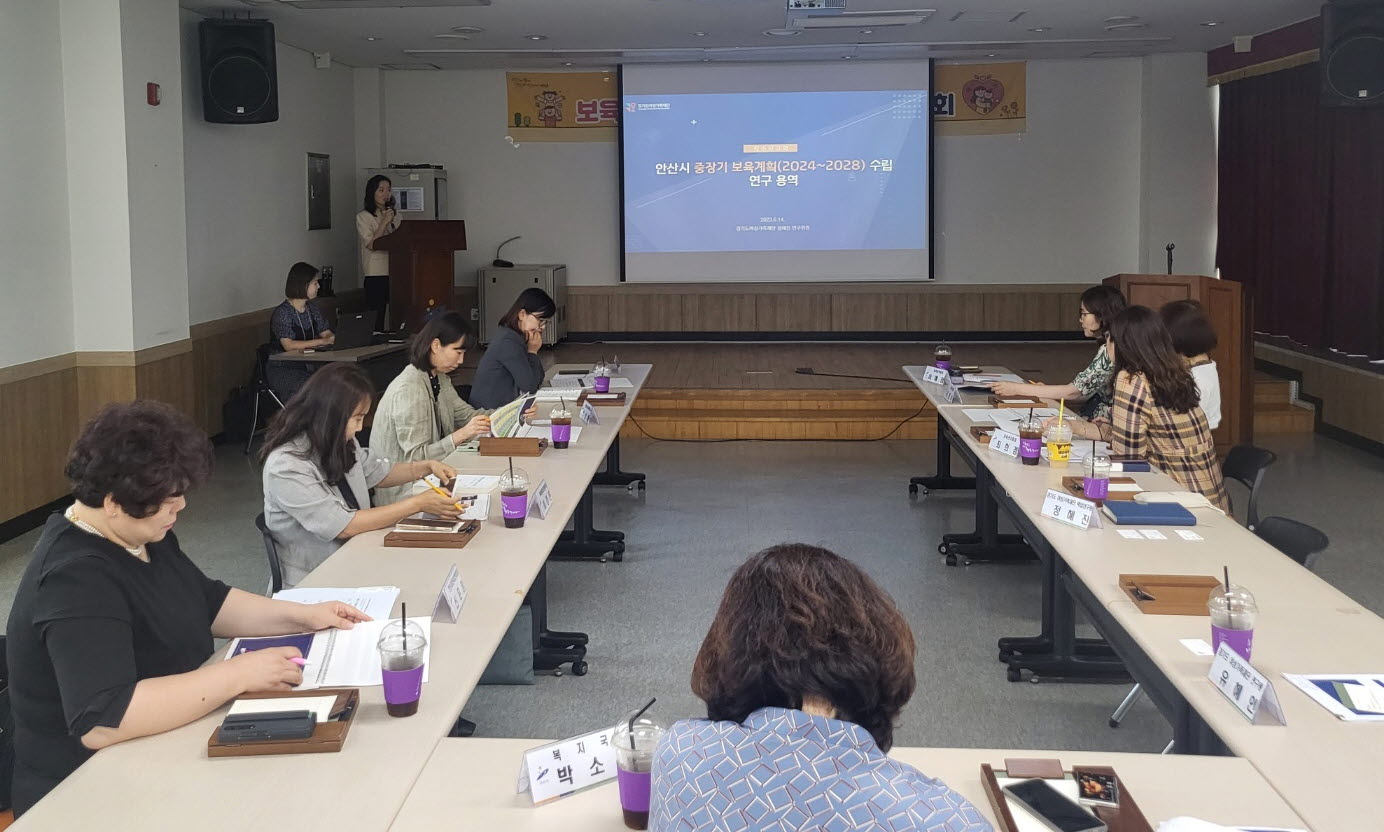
(1057, 811)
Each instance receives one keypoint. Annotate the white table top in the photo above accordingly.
(1323, 766)
(470, 784)
(167, 781)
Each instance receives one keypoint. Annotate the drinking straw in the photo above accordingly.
(638, 714)
(511, 470)
(1061, 407)
(403, 622)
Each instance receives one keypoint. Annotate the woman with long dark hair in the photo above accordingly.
(1156, 415)
(1194, 337)
(804, 671)
(420, 416)
(317, 477)
(1094, 385)
(511, 364)
(376, 219)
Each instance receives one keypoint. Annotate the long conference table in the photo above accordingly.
(167, 781)
(469, 785)
(1324, 767)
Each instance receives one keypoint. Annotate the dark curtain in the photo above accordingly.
(1301, 210)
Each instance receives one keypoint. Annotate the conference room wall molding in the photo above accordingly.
(874, 309)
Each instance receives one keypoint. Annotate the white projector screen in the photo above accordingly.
(776, 172)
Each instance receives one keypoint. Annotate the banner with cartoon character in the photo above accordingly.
(562, 106)
(979, 99)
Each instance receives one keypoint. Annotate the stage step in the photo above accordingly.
(781, 414)
(1276, 411)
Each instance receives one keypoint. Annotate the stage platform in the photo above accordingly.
(719, 391)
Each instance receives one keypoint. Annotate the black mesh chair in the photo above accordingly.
(1298, 541)
(259, 388)
(1245, 464)
(276, 572)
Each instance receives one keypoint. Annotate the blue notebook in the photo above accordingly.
(1130, 513)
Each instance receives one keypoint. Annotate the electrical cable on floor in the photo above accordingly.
(897, 428)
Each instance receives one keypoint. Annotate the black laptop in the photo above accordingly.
(353, 330)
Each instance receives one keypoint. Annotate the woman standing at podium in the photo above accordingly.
(375, 220)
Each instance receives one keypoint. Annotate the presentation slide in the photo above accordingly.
(776, 184)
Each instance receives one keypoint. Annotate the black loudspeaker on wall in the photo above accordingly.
(1352, 55)
(240, 81)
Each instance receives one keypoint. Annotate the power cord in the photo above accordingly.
(896, 429)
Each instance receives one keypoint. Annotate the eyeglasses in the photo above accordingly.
(1081, 313)
(542, 322)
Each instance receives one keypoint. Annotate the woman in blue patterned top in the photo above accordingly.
(803, 672)
(1095, 385)
(297, 324)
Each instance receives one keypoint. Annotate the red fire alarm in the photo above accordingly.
(153, 94)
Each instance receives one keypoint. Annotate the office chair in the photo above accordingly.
(1244, 464)
(259, 387)
(1298, 541)
(271, 552)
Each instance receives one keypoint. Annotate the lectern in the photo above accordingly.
(420, 267)
(1227, 307)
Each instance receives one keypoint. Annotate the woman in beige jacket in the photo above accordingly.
(420, 415)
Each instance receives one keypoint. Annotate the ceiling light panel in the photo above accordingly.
(987, 16)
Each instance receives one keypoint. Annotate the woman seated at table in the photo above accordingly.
(297, 324)
(511, 365)
(112, 622)
(420, 415)
(1099, 305)
(804, 671)
(1194, 338)
(1155, 415)
(317, 477)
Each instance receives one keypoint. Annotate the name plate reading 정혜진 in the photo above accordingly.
(1073, 511)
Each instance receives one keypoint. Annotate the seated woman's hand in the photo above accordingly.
(444, 473)
(326, 340)
(331, 614)
(1008, 388)
(269, 669)
(1081, 429)
(478, 426)
(433, 503)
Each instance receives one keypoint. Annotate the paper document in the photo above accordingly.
(990, 378)
(980, 414)
(546, 432)
(350, 658)
(504, 420)
(1353, 697)
(474, 484)
(374, 601)
(321, 706)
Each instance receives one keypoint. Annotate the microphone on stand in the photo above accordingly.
(1170, 257)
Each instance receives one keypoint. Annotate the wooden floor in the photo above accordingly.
(772, 366)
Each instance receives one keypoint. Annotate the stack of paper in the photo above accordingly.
(344, 658)
(986, 379)
(374, 601)
(1350, 696)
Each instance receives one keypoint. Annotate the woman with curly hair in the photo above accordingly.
(111, 622)
(804, 671)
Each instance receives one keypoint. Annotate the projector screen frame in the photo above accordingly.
(930, 186)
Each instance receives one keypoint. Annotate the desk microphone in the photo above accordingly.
(504, 264)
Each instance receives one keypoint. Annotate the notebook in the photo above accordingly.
(1129, 513)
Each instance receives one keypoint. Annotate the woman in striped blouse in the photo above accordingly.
(1157, 415)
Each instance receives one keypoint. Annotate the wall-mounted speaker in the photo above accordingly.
(1352, 54)
(240, 81)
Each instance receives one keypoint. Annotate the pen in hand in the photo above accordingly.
(444, 494)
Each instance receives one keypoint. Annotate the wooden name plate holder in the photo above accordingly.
(1074, 487)
(1126, 817)
(512, 446)
(1024, 402)
(982, 432)
(432, 540)
(611, 399)
(326, 737)
(1170, 594)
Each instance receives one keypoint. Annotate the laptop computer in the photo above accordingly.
(353, 330)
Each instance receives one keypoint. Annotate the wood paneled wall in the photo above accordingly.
(812, 308)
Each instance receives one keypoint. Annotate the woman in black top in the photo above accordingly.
(511, 364)
(297, 324)
(112, 623)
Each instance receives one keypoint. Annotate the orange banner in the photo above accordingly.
(972, 99)
(562, 106)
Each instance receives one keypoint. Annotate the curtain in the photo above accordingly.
(1301, 210)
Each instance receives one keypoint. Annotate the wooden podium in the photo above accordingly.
(1228, 308)
(420, 268)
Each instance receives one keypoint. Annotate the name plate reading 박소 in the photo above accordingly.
(1247, 689)
(1073, 511)
(1005, 442)
(561, 768)
(936, 375)
(450, 598)
(542, 500)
